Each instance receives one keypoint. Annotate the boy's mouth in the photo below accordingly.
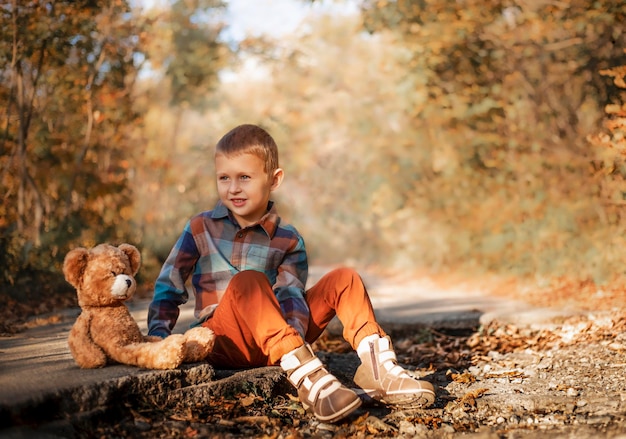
(238, 202)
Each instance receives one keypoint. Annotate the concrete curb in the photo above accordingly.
(72, 403)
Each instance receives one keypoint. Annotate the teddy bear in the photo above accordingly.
(105, 331)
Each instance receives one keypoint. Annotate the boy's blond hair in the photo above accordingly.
(250, 139)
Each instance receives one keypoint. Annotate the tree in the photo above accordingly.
(505, 95)
(69, 68)
(172, 154)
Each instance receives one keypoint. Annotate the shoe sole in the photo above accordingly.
(405, 401)
(339, 415)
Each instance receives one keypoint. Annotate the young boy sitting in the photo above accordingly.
(249, 269)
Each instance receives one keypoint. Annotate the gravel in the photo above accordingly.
(559, 380)
(562, 378)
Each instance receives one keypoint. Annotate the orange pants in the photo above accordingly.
(251, 330)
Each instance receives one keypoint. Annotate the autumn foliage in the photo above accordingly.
(474, 136)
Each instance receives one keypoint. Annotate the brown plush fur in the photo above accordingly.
(105, 332)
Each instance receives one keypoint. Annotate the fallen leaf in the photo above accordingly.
(247, 400)
(252, 419)
(466, 378)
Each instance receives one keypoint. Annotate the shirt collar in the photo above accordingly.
(268, 222)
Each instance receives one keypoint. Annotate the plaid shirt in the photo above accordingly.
(212, 249)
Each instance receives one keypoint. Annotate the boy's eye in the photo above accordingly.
(245, 177)
(222, 178)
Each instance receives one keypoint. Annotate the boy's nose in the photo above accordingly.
(234, 187)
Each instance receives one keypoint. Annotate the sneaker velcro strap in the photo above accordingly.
(399, 371)
(394, 369)
(297, 357)
(316, 388)
(386, 356)
(384, 344)
(302, 371)
(290, 362)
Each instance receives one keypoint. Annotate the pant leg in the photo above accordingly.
(249, 327)
(341, 292)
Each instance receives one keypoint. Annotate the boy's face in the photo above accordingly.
(244, 186)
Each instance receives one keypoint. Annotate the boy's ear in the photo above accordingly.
(277, 178)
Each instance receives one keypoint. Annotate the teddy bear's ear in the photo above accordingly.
(133, 256)
(74, 265)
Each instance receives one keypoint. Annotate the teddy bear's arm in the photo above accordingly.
(199, 342)
(152, 338)
(167, 353)
(117, 332)
(86, 353)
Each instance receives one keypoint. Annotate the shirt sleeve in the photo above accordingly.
(169, 288)
(289, 287)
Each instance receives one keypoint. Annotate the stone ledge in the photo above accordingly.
(87, 400)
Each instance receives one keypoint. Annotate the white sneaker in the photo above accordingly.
(380, 377)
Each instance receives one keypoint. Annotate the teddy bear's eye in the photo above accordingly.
(113, 273)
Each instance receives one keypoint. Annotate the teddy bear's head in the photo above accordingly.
(103, 275)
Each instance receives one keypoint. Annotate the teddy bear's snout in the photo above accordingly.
(123, 287)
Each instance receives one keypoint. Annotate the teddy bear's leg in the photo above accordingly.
(165, 354)
(86, 353)
(198, 344)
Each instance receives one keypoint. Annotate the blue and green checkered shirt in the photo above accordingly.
(212, 249)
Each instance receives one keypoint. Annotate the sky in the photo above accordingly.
(258, 17)
(277, 17)
(270, 17)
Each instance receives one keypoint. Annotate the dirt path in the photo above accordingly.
(560, 380)
(560, 377)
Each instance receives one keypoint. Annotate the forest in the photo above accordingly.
(481, 137)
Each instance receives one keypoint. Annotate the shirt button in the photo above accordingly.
(240, 235)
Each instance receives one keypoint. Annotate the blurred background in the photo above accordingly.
(475, 137)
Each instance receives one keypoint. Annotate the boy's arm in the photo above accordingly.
(169, 288)
(289, 287)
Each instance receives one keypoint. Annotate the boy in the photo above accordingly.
(248, 271)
